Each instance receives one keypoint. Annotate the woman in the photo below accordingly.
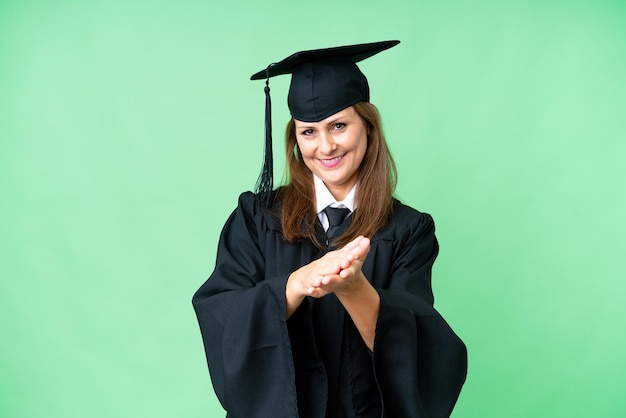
(320, 304)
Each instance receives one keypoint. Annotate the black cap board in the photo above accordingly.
(323, 82)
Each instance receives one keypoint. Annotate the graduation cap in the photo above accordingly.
(323, 82)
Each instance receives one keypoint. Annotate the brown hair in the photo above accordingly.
(374, 194)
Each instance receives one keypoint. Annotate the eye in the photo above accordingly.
(307, 132)
(338, 126)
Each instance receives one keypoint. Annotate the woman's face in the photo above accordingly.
(334, 148)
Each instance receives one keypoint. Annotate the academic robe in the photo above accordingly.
(265, 366)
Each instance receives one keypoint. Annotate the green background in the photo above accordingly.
(129, 128)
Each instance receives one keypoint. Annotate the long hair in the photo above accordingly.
(377, 178)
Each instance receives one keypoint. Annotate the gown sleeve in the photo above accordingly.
(420, 363)
(242, 320)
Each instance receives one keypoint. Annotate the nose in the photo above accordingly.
(327, 143)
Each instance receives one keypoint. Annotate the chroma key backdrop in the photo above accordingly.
(129, 128)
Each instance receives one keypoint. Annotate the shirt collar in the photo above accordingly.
(325, 198)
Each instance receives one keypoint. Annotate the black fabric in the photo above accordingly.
(336, 217)
(328, 327)
(321, 89)
(354, 53)
(325, 81)
(329, 318)
(263, 366)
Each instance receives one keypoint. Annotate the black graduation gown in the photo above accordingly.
(262, 365)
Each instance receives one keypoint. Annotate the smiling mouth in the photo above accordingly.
(331, 162)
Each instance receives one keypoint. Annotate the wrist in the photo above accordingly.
(356, 286)
(293, 291)
(293, 287)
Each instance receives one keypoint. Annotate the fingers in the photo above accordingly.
(325, 286)
(333, 262)
(353, 244)
(329, 283)
(350, 257)
(345, 273)
(359, 247)
(335, 269)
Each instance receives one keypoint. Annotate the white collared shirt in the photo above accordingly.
(325, 198)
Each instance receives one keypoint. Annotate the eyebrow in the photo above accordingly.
(339, 119)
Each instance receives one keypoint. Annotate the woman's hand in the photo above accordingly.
(337, 271)
(343, 282)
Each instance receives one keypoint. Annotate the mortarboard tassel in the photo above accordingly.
(265, 182)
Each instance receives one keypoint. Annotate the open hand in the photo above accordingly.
(335, 271)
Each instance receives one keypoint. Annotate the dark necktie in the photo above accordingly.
(336, 216)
